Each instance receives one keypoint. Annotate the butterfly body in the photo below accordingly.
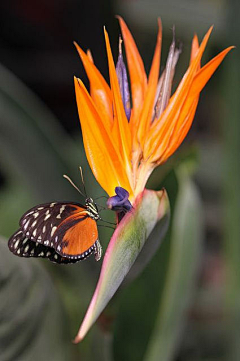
(63, 232)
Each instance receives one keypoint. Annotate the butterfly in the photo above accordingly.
(63, 232)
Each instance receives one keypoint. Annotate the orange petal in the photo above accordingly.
(89, 54)
(186, 114)
(195, 47)
(102, 156)
(178, 138)
(100, 90)
(162, 128)
(199, 82)
(120, 116)
(136, 70)
(146, 114)
(205, 73)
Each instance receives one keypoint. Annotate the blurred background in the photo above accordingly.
(193, 301)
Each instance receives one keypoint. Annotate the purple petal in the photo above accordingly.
(123, 82)
(119, 202)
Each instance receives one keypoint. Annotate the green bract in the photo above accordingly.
(126, 243)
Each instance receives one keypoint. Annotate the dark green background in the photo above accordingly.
(41, 305)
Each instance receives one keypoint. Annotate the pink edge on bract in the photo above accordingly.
(88, 319)
(125, 245)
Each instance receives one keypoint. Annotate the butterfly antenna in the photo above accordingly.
(73, 184)
(101, 206)
(103, 225)
(81, 172)
(101, 197)
(114, 224)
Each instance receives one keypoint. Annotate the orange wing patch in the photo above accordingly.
(80, 237)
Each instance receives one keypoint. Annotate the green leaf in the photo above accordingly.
(33, 323)
(124, 247)
(186, 236)
(34, 148)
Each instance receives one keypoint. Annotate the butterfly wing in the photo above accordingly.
(39, 223)
(50, 230)
(24, 247)
(77, 238)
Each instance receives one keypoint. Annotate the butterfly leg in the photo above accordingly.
(97, 250)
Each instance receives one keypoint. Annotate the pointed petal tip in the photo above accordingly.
(89, 54)
(77, 339)
(79, 49)
(77, 81)
(207, 35)
(159, 27)
(195, 37)
(226, 51)
(159, 21)
(230, 48)
(121, 20)
(105, 34)
(209, 31)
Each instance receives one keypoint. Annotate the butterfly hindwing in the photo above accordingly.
(24, 247)
(77, 238)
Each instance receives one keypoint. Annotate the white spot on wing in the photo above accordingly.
(16, 244)
(26, 225)
(27, 214)
(62, 209)
(47, 216)
(53, 230)
(26, 249)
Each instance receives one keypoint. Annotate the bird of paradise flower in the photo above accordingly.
(127, 133)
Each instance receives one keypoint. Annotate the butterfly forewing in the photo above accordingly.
(40, 223)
